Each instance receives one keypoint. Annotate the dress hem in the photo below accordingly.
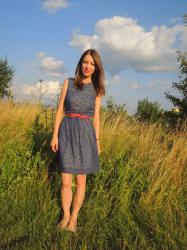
(77, 171)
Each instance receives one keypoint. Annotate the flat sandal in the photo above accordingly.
(63, 223)
(72, 228)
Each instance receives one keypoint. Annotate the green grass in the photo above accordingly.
(136, 201)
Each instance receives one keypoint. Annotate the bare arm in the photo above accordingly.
(60, 109)
(96, 118)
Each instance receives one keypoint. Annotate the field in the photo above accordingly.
(138, 199)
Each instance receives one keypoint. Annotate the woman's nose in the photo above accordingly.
(87, 66)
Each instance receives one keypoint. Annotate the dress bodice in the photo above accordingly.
(80, 100)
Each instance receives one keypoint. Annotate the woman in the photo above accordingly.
(76, 138)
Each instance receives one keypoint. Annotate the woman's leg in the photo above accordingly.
(66, 193)
(78, 199)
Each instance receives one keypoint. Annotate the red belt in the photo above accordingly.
(78, 115)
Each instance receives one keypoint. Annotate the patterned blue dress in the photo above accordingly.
(77, 146)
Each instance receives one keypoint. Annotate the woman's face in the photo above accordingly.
(88, 66)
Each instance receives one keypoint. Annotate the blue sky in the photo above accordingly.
(137, 40)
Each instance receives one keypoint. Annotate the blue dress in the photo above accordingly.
(77, 146)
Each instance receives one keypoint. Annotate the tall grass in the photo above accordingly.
(136, 201)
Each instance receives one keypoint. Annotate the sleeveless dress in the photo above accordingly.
(77, 146)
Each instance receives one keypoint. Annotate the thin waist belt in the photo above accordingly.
(86, 117)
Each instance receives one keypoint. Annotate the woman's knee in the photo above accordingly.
(66, 180)
(81, 180)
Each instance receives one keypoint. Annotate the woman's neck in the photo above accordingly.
(86, 80)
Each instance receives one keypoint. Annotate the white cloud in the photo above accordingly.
(113, 80)
(123, 44)
(82, 41)
(135, 85)
(47, 88)
(51, 66)
(160, 84)
(53, 5)
(116, 79)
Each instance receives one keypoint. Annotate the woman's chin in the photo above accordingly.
(87, 75)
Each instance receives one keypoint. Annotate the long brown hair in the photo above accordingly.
(98, 76)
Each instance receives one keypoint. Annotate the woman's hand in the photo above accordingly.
(54, 144)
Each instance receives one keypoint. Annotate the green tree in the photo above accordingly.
(6, 75)
(114, 109)
(181, 86)
(149, 111)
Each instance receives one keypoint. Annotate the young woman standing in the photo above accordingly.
(76, 137)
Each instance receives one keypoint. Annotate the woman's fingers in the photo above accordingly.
(54, 144)
(54, 147)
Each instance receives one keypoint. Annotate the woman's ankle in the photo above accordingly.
(74, 217)
(66, 215)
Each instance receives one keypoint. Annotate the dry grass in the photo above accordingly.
(136, 201)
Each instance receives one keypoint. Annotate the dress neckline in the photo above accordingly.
(85, 84)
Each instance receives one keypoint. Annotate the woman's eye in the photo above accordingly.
(85, 62)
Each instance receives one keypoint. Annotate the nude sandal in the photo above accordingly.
(63, 223)
(72, 227)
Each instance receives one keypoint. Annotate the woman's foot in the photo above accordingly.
(72, 225)
(63, 223)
